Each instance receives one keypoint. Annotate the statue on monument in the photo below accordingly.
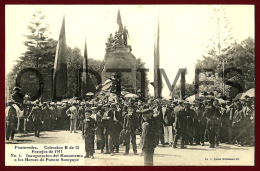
(120, 39)
(125, 34)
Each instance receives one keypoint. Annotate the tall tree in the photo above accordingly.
(141, 65)
(239, 69)
(221, 38)
(214, 55)
(37, 39)
(39, 54)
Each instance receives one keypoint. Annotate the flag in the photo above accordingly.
(119, 21)
(85, 68)
(157, 74)
(88, 85)
(60, 66)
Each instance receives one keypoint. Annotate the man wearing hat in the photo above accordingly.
(117, 127)
(65, 117)
(37, 118)
(129, 127)
(81, 115)
(167, 123)
(236, 125)
(230, 112)
(11, 120)
(180, 116)
(100, 131)
(158, 120)
(107, 122)
(90, 127)
(59, 115)
(17, 96)
(199, 123)
(224, 123)
(73, 113)
(189, 123)
(46, 116)
(212, 114)
(147, 142)
(53, 116)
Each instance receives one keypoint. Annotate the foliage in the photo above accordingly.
(141, 65)
(240, 56)
(40, 54)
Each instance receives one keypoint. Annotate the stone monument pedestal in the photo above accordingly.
(121, 61)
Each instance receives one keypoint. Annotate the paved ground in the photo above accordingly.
(193, 155)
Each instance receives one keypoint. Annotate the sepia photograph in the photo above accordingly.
(129, 85)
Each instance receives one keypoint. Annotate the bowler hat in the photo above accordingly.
(181, 101)
(106, 105)
(11, 101)
(93, 108)
(17, 88)
(88, 111)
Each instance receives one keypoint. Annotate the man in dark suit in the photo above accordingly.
(59, 116)
(81, 116)
(129, 127)
(189, 123)
(158, 120)
(224, 123)
(117, 127)
(180, 116)
(147, 142)
(107, 122)
(230, 112)
(11, 120)
(97, 116)
(17, 96)
(167, 123)
(199, 123)
(37, 118)
(89, 134)
(212, 114)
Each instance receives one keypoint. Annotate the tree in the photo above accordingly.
(75, 62)
(141, 65)
(37, 40)
(217, 52)
(242, 57)
(221, 37)
(239, 56)
(40, 54)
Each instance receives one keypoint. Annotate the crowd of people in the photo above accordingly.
(114, 123)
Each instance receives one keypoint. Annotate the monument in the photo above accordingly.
(119, 60)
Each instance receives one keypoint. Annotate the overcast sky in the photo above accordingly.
(183, 31)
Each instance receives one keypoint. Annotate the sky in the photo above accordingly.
(184, 31)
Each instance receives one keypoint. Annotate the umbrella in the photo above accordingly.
(90, 94)
(194, 97)
(191, 98)
(238, 96)
(123, 93)
(221, 100)
(250, 92)
(210, 96)
(65, 100)
(131, 95)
